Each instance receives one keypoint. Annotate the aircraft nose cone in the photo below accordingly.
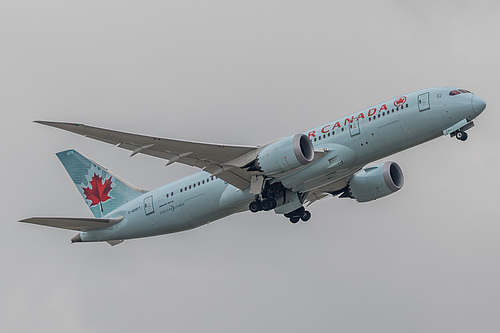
(478, 105)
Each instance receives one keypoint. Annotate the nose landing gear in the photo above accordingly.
(458, 130)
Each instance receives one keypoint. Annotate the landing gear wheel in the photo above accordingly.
(306, 216)
(462, 136)
(273, 201)
(294, 219)
(254, 206)
(268, 204)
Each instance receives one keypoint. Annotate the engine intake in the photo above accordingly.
(285, 154)
(376, 182)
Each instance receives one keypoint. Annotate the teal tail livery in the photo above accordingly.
(285, 176)
(102, 191)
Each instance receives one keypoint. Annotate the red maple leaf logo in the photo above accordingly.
(97, 192)
(400, 101)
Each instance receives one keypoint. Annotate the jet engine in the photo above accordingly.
(285, 154)
(376, 182)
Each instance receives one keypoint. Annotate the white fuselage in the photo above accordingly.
(349, 143)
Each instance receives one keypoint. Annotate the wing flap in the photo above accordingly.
(73, 223)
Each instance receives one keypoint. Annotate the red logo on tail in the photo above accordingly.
(99, 191)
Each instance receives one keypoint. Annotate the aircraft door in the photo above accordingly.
(423, 102)
(354, 127)
(148, 205)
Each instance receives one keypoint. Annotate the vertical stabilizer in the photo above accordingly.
(102, 191)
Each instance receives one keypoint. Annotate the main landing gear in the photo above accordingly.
(258, 205)
(299, 214)
(274, 193)
(270, 204)
(461, 135)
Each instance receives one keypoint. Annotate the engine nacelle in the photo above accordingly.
(376, 182)
(285, 154)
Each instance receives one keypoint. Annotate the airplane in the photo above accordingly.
(286, 175)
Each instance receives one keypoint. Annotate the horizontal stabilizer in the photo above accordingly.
(73, 223)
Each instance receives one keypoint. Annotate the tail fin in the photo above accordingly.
(102, 191)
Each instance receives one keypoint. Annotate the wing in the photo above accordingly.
(225, 161)
(72, 223)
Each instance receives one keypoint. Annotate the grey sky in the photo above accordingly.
(248, 72)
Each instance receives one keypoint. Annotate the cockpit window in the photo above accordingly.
(459, 91)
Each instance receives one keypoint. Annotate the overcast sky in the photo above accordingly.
(425, 259)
